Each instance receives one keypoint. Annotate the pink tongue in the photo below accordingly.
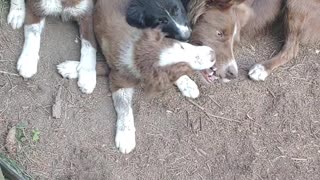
(205, 74)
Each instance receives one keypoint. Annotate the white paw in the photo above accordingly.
(68, 69)
(204, 60)
(125, 140)
(258, 73)
(27, 65)
(87, 79)
(187, 87)
(16, 17)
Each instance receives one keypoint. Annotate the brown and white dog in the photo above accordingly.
(33, 14)
(141, 57)
(224, 23)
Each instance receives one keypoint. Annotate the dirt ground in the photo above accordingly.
(268, 130)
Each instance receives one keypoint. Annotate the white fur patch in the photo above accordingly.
(68, 69)
(51, 7)
(17, 13)
(28, 61)
(87, 68)
(258, 73)
(198, 57)
(185, 30)
(125, 135)
(83, 7)
(187, 87)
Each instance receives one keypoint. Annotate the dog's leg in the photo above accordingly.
(187, 87)
(28, 61)
(87, 67)
(259, 72)
(125, 134)
(16, 14)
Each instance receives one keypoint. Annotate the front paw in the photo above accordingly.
(258, 73)
(125, 140)
(16, 17)
(87, 79)
(27, 65)
(68, 69)
(187, 87)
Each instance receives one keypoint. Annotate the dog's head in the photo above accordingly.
(169, 15)
(219, 28)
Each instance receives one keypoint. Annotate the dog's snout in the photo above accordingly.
(232, 72)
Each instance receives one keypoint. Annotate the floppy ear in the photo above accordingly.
(135, 16)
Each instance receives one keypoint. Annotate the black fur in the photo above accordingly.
(159, 13)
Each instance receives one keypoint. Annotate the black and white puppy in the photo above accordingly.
(169, 15)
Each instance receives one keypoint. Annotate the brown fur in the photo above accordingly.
(147, 46)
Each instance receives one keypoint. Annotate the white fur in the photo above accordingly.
(232, 62)
(187, 87)
(198, 57)
(51, 7)
(87, 67)
(55, 7)
(78, 10)
(28, 61)
(185, 30)
(258, 73)
(125, 135)
(68, 69)
(17, 13)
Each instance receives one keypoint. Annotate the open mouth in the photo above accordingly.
(210, 74)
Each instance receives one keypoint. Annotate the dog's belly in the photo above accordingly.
(65, 8)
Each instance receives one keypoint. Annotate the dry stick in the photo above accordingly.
(211, 115)
(8, 73)
(56, 108)
(39, 104)
(5, 107)
(215, 101)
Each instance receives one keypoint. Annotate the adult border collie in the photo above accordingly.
(301, 23)
(140, 57)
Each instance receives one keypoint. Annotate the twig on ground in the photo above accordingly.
(56, 108)
(4, 110)
(211, 115)
(215, 101)
(9, 73)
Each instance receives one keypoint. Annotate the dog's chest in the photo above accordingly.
(66, 8)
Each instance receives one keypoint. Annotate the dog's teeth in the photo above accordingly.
(211, 73)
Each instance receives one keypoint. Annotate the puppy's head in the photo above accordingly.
(224, 33)
(169, 15)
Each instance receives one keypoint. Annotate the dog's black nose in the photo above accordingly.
(231, 72)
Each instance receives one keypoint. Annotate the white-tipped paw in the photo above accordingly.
(125, 140)
(16, 17)
(187, 87)
(27, 65)
(87, 79)
(258, 73)
(68, 69)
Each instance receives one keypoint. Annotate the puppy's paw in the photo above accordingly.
(16, 16)
(258, 73)
(87, 79)
(68, 69)
(27, 65)
(204, 60)
(125, 140)
(187, 87)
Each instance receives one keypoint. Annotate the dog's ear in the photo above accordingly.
(135, 16)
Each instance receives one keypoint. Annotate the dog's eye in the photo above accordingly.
(219, 33)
